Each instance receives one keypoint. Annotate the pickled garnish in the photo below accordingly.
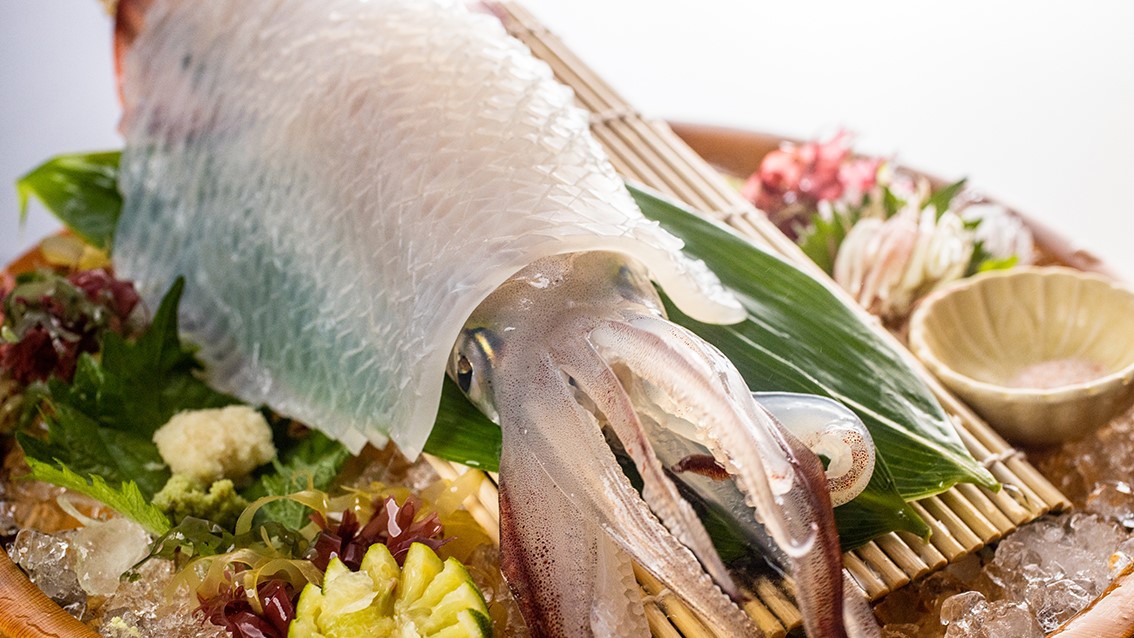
(425, 597)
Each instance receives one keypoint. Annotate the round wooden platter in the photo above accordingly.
(24, 611)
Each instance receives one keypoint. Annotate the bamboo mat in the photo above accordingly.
(963, 519)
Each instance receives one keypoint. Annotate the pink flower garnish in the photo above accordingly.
(781, 171)
(860, 175)
(793, 179)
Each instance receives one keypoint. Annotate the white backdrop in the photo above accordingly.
(1032, 101)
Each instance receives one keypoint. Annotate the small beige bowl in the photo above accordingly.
(1044, 354)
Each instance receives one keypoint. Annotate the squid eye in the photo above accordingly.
(464, 373)
(632, 285)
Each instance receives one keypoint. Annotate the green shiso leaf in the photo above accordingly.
(81, 190)
(138, 386)
(799, 337)
(77, 442)
(821, 240)
(126, 499)
(102, 423)
(313, 461)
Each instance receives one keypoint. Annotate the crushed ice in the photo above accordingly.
(48, 562)
(1040, 576)
(135, 607)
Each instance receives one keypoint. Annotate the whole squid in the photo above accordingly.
(350, 187)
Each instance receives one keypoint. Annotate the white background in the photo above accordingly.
(1032, 101)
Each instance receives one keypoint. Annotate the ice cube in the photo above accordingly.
(48, 561)
(104, 550)
(148, 607)
(1105, 455)
(1056, 602)
(970, 615)
(1113, 500)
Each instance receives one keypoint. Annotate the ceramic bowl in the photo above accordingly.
(1043, 354)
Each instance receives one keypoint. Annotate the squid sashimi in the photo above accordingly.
(350, 187)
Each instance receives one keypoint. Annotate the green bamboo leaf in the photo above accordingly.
(81, 190)
(799, 337)
(463, 434)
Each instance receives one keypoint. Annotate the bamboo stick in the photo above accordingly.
(869, 581)
(911, 562)
(678, 614)
(980, 500)
(928, 552)
(970, 540)
(777, 601)
(975, 521)
(660, 626)
(941, 537)
(886, 569)
(764, 618)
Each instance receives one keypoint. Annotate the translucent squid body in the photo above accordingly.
(351, 186)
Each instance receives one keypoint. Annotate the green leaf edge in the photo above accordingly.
(126, 499)
(83, 170)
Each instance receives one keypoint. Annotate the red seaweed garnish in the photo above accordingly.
(49, 321)
(231, 609)
(392, 525)
(116, 295)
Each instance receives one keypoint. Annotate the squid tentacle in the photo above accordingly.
(731, 424)
(569, 447)
(830, 430)
(599, 383)
(621, 611)
(713, 490)
(821, 603)
(738, 433)
(858, 616)
(557, 570)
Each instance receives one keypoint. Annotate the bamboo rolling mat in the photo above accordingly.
(963, 519)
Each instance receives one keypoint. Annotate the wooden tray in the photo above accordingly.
(963, 519)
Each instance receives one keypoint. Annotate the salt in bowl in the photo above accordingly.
(1045, 355)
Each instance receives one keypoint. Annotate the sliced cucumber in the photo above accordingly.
(426, 598)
